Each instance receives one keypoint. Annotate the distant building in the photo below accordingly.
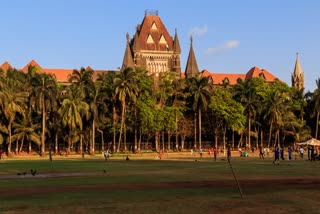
(297, 77)
(153, 48)
(61, 75)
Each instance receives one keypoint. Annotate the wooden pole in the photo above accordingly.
(235, 178)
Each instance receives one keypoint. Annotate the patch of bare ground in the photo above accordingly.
(245, 184)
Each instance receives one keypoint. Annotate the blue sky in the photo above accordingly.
(229, 36)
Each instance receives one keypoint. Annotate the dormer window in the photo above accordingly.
(162, 40)
(261, 75)
(150, 39)
(154, 26)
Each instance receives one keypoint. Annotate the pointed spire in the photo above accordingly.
(127, 59)
(297, 68)
(176, 44)
(192, 66)
(297, 78)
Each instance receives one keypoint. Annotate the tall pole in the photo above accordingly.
(235, 178)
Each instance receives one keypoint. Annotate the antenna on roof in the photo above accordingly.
(151, 12)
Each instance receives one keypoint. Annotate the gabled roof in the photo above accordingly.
(31, 63)
(61, 75)
(257, 72)
(152, 28)
(6, 66)
(219, 78)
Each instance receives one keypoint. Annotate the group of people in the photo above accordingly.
(210, 151)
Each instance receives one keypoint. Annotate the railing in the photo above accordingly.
(151, 12)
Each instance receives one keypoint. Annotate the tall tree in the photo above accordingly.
(72, 111)
(45, 90)
(200, 92)
(316, 99)
(126, 90)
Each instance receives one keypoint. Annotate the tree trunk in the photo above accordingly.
(169, 141)
(43, 134)
(30, 148)
(156, 138)
(121, 126)
(17, 147)
(270, 134)
(114, 128)
(249, 131)
(22, 142)
(261, 138)
(93, 135)
(9, 145)
(56, 143)
(163, 147)
(102, 140)
(317, 125)
(232, 139)
(177, 137)
(125, 137)
(135, 130)
(195, 130)
(200, 146)
(81, 144)
(224, 138)
(182, 142)
(69, 141)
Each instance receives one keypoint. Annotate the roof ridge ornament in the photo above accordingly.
(151, 13)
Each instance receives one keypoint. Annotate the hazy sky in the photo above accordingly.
(229, 36)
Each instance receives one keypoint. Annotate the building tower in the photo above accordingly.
(153, 48)
(297, 78)
(192, 69)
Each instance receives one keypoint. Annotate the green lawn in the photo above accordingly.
(145, 185)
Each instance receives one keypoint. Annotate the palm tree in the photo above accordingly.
(72, 109)
(245, 92)
(177, 101)
(126, 90)
(44, 90)
(83, 79)
(316, 99)
(13, 102)
(200, 92)
(25, 130)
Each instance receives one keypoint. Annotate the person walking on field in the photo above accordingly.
(229, 154)
(289, 153)
(276, 156)
(261, 153)
(215, 153)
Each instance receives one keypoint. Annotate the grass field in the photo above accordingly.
(144, 184)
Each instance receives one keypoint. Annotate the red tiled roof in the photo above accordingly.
(256, 72)
(60, 74)
(31, 63)
(145, 29)
(5, 66)
(218, 78)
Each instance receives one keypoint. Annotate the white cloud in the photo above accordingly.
(199, 31)
(224, 47)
